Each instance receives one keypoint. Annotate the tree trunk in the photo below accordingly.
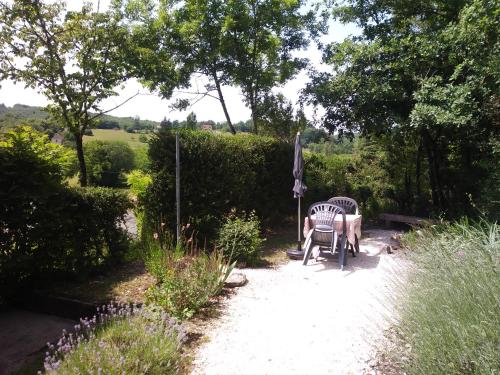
(81, 159)
(430, 159)
(254, 120)
(253, 108)
(223, 102)
(418, 172)
(433, 155)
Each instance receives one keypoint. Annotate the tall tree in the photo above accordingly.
(262, 36)
(73, 58)
(279, 119)
(243, 43)
(191, 122)
(426, 72)
(189, 33)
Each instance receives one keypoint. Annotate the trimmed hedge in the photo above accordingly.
(218, 173)
(48, 230)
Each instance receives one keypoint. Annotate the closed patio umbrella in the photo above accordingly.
(299, 189)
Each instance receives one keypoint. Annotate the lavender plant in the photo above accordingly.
(119, 339)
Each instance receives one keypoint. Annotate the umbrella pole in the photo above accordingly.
(299, 246)
(297, 253)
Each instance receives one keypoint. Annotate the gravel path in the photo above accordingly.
(312, 319)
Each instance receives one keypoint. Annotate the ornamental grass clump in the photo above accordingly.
(187, 277)
(186, 283)
(451, 311)
(120, 339)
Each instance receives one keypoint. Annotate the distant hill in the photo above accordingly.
(21, 114)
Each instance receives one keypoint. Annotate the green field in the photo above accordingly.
(116, 135)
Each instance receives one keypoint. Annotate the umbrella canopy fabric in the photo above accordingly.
(299, 187)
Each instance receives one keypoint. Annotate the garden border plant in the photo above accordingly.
(450, 315)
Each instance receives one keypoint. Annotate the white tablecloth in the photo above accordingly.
(353, 226)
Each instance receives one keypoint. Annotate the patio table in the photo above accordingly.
(353, 227)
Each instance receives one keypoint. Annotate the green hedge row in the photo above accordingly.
(246, 172)
(218, 173)
(48, 230)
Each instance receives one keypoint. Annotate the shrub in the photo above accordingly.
(239, 239)
(186, 277)
(185, 283)
(61, 233)
(326, 176)
(107, 161)
(50, 230)
(451, 313)
(138, 182)
(119, 340)
(27, 149)
(141, 159)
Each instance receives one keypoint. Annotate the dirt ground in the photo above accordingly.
(23, 335)
(312, 319)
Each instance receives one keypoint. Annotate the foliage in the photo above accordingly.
(426, 77)
(331, 145)
(261, 38)
(119, 339)
(141, 159)
(278, 118)
(38, 118)
(24, 144)
(191, 122)
(450, 316)
(187, 283)
(218, 173)
(133, 139)
(244, 43)
(21, 114)
(138, 181)
(75, 59)
(186, 278)
(49, 230)
(108, 161)
(326, 177)
(313, 135)
(239, 239)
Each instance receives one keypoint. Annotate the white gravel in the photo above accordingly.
(312, 319)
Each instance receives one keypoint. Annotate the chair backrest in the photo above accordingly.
(325, 213)
(348, 204)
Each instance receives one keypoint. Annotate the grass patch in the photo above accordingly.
(451, 314)
(117, 135)
(278, 241)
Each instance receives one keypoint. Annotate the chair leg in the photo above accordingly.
(342, 257)
(356, 243)
(334, 242)
(352, 250)
(308, 245)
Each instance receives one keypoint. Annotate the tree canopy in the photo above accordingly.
(75, 59)
(426, 74)
(249, 44)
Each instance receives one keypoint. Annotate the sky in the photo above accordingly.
(149, 106)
